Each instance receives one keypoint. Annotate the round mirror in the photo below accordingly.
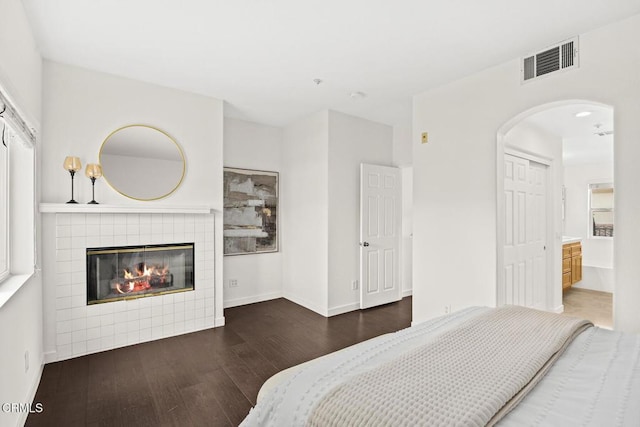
(142, 162)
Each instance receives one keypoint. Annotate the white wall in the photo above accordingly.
(305, 212)
(82, 107)
(407, 230)
(250, 145)
(21, 316)
(352, 141)
(597, 253)
(455, 174)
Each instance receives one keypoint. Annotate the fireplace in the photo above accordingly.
(130, 272)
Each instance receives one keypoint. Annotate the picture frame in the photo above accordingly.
(250, 213)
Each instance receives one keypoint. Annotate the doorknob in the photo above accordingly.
(365, 244)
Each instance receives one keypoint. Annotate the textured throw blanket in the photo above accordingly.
(469, 376)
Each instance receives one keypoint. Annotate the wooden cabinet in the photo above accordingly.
(571, 264)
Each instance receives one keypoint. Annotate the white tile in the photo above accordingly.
(120, 219)
(209, 292)
(63, 231)
(63, 255)
(79, 278)
(94, 241)
(145, 302)
(106, 319)
(133, 229)
(93, 333)
(106, 219)
(199, 323)
(177, 298)
(94, 345)
(120, 229)
(63, 243)
(63, 279)
(63, 267)
(107, 330)
(199, 228)
(133, 218)
(168, 329)
(63, 219)
(120, 340)
(167, 318)
(156, 219)
(78, 219)
(157, 332)
(62, 315)
(133, 304)
(145, 334)
(145, 219)
(106, 241)
(156, 311)
(93, 322)
(189, 237)
(64, 351)
(107, 343)
(145, 229)
(178, 227)
(92, 219)
(79, 253)
(179, 316)
(79, 348)
(145, 313)
(78, 242)
(79, 336)
(63, 339)
(189, 315)
(167, 299)
(79, 324)
(209, 321)
(63, 291)
(106, 229)
(167, 218)
(209, 311)
(190, 325)
(78, 265)
(133, 337)
(63, 327)
(145, 323)
(167, 309)
(78, 301)
(78, 231)
(133, 315)
(134, 240)
(179, 327)
(120, 240)
(167, 228)
(79, 313)
(178, 237)
(92, 230)
(62, 303)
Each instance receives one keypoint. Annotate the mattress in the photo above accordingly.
(595, 382)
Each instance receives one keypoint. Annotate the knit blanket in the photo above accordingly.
(472, 375)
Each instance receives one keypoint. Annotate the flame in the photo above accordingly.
(143, 277)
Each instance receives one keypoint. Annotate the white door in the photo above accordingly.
(380, 232)
(525, 185)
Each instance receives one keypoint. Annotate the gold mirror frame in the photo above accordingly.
(146, 148)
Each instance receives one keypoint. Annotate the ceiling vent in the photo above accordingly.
(559, 57)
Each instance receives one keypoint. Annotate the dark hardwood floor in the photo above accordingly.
(207, 378)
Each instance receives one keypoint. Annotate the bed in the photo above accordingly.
(509, 366)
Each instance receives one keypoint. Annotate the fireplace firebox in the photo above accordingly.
(129, 272)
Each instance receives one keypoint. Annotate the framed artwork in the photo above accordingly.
(250, 211)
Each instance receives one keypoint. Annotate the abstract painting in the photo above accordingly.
(250, 211)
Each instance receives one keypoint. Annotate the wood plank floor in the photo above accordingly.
(207, 378)
(592, 305)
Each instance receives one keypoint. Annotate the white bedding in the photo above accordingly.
(596, 382)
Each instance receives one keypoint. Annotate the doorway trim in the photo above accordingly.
(553, 289)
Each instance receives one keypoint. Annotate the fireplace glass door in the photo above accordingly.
(129, 272)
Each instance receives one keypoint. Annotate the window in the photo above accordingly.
(4, 210)
(17, 193)
(601, 210)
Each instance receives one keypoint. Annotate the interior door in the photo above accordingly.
(380, 233)
(525, 267)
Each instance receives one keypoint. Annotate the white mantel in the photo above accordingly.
(142, 209)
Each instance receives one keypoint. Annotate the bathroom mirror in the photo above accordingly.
(142, 162)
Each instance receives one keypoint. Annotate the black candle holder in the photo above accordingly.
(93, 191)
(73, 173)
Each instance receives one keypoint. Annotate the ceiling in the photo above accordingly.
(581, 143)
(261, 56)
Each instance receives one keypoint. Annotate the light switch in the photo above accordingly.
(425, 137)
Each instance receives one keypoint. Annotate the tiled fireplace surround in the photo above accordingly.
(81, 329)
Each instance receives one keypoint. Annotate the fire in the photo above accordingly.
(144, 278)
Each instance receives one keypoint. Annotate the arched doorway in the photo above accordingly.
(536, 136)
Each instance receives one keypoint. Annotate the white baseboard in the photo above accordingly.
(559, 309)
(306, 304)
(407, 293)
(252, 299)
(219, 321)
(50, 356)
(31, 395)
(334, 311)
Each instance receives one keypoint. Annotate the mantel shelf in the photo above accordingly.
(86, 208)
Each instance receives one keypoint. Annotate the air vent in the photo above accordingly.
(604, 133)
(559, 57)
